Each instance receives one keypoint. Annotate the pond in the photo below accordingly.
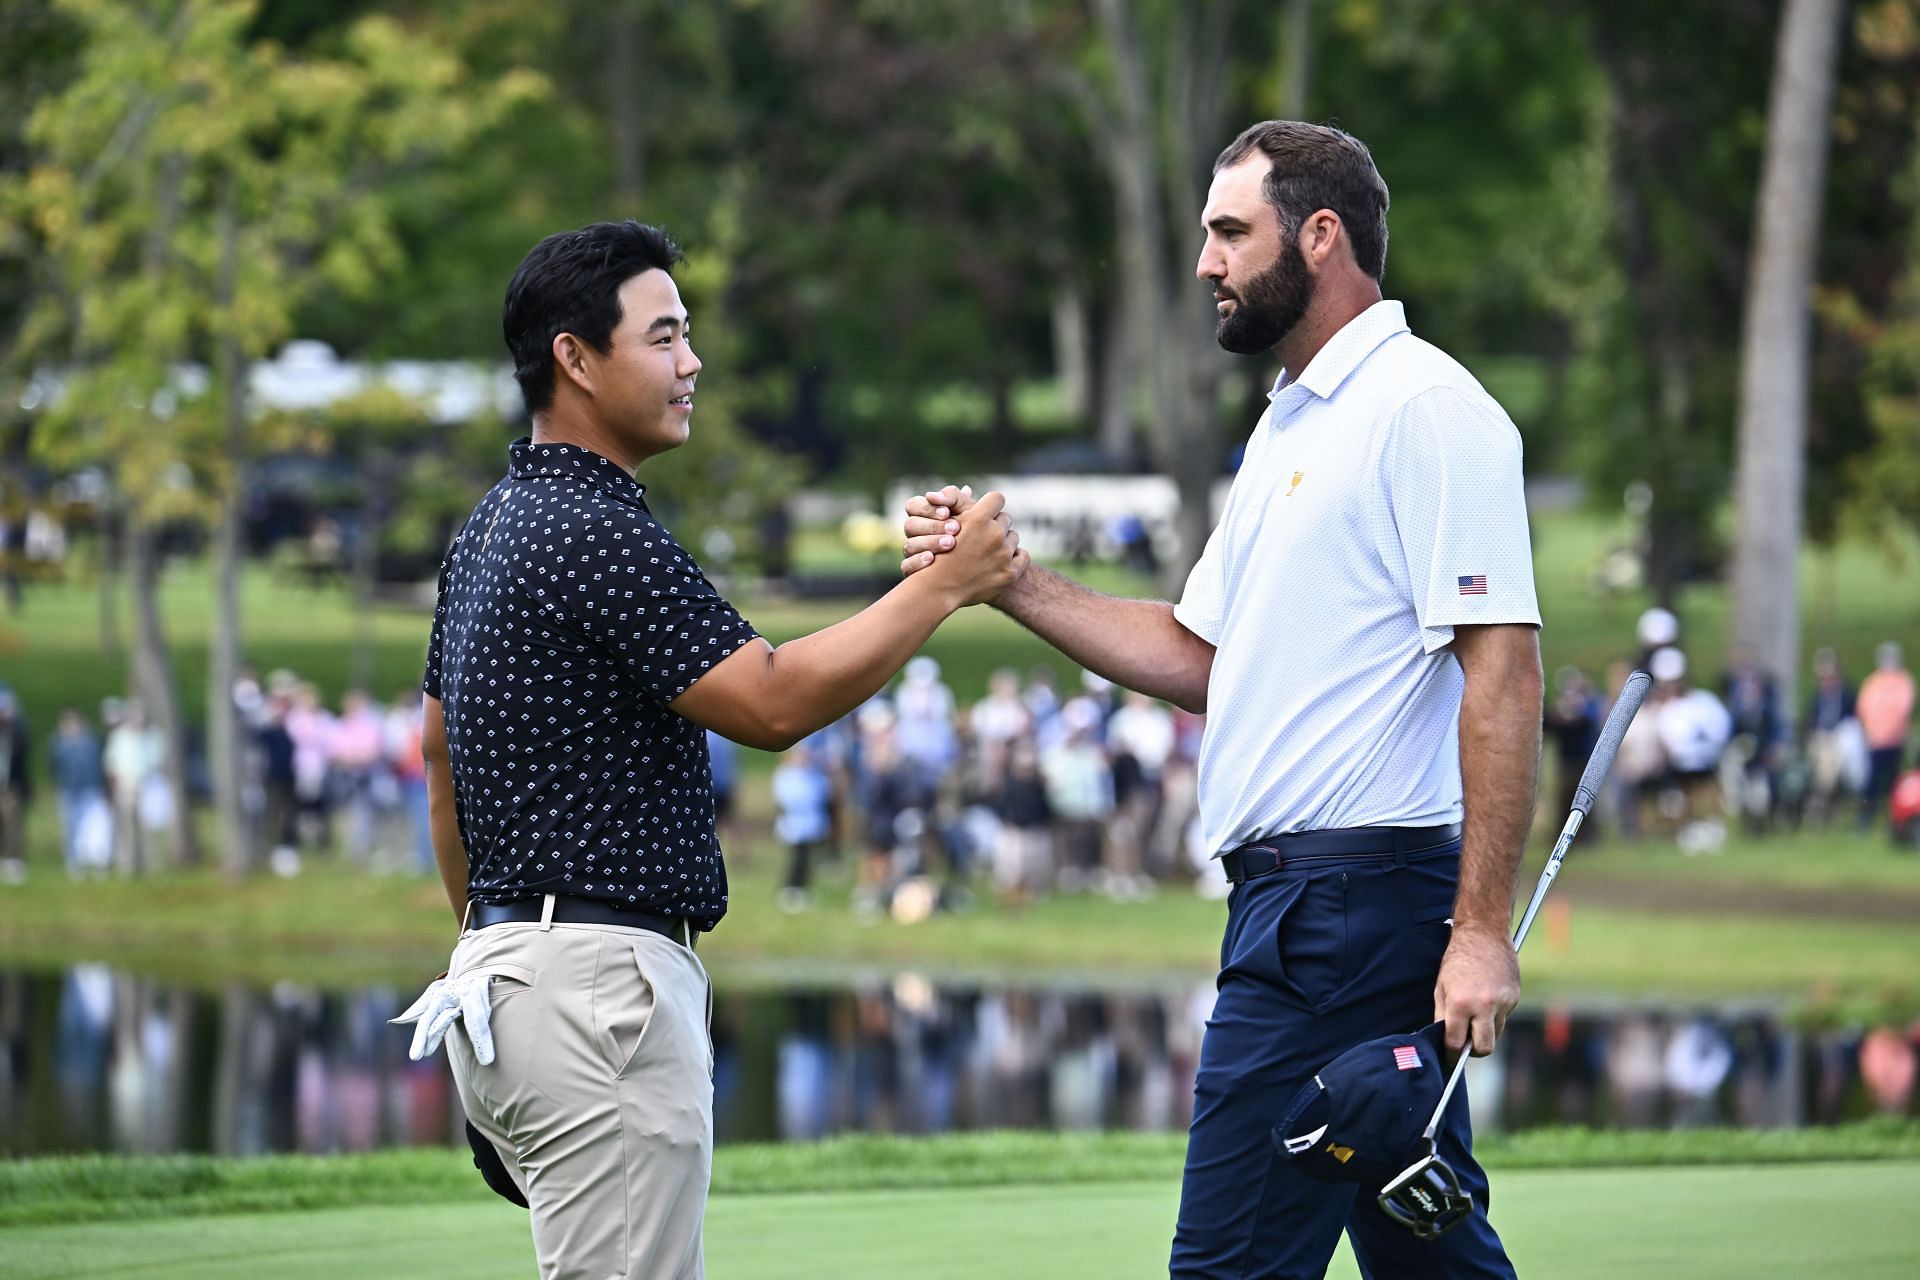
(97, 1059)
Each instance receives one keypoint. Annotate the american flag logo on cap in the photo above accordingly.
(1406, 1057)
(1473, 585)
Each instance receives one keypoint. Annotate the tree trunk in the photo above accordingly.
(110, 552)
(623, 104)
(1114, 413)
(1769, 485)
(154, 665)
(1172, 317)
(225, 748)
(1072, 347)
(1296, 57)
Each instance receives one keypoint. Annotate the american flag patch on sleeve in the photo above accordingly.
(1406, 1057)
(1476, 585)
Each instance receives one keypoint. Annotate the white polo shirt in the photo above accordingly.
(1379, 506)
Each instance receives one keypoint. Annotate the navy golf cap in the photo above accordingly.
(1361, 1118)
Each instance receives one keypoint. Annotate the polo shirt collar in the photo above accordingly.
(571, 462)
(1346, 350)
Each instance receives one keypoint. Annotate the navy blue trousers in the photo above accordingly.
(1316, 960)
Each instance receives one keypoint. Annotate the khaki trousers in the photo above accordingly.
(600, 1094)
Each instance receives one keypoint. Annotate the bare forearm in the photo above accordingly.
(1500, 775)
(771, 698)
(449, 853)
(1134, 643)
(823, 676)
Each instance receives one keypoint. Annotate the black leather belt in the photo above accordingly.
(578, 911)
(1278, 853)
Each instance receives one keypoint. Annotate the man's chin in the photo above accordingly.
(1238, 342)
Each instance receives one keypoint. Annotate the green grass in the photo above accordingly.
(1700, 1223)
(76, 1189)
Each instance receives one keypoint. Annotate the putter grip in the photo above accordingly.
(1615, 729)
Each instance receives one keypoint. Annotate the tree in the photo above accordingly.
(191, 186)
(1776, 350)
(1152, 92)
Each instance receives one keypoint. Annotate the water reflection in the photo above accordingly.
(96, 1059)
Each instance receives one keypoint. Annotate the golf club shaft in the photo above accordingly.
(1598, 765)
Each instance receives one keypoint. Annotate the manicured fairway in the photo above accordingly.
(1723, 1223)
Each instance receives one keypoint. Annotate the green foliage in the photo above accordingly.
(191, 186)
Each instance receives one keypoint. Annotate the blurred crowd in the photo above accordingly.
(313, 778)
(1699, 758)
(1035, 789)
(1032, 790)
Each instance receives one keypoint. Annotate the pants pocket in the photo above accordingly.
(624, 1005)
(1312, 939)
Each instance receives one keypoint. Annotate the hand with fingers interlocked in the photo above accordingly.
(937, 521)
(934, 522)
(466, 999)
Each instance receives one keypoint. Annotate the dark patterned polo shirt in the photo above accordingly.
(568, 618)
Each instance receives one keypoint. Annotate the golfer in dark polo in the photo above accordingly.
(578, 656)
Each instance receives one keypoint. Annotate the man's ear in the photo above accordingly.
(571, 355)
(1320, 237)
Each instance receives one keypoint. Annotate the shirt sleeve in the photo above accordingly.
(642, 599)
(1451, 470)
(1203, 601)
(436, 642)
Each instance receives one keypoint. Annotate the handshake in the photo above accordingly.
(973, 540)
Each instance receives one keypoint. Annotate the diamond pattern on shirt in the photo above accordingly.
(568, 618)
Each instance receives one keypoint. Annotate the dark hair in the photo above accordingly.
(1317, 166)
(570, 283)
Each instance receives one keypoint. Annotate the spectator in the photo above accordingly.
(82, 787)
(1830, 722)
(995, 722)
(132, 762)
(802, 797)
(1043, 704)
(1885, 709)
(355, 751)
(404, 721)
(1753, 755)
(1023, 854)
(1694, 729)
(1641, 763)
(280, 810)
(924, 730)
(311, 727)
(1140, 740)
(1657, 629)
(1080, 792)
(15, 790)
(1573, 726)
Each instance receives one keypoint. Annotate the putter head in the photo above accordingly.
(1427, 1198)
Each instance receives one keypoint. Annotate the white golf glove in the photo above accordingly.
(446, 1000)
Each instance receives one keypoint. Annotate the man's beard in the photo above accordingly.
(1266, 310)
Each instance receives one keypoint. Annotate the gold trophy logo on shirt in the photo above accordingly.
(1298, 476)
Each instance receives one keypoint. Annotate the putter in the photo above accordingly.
(1427, 1197)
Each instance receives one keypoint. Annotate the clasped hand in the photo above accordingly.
(984, 563)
